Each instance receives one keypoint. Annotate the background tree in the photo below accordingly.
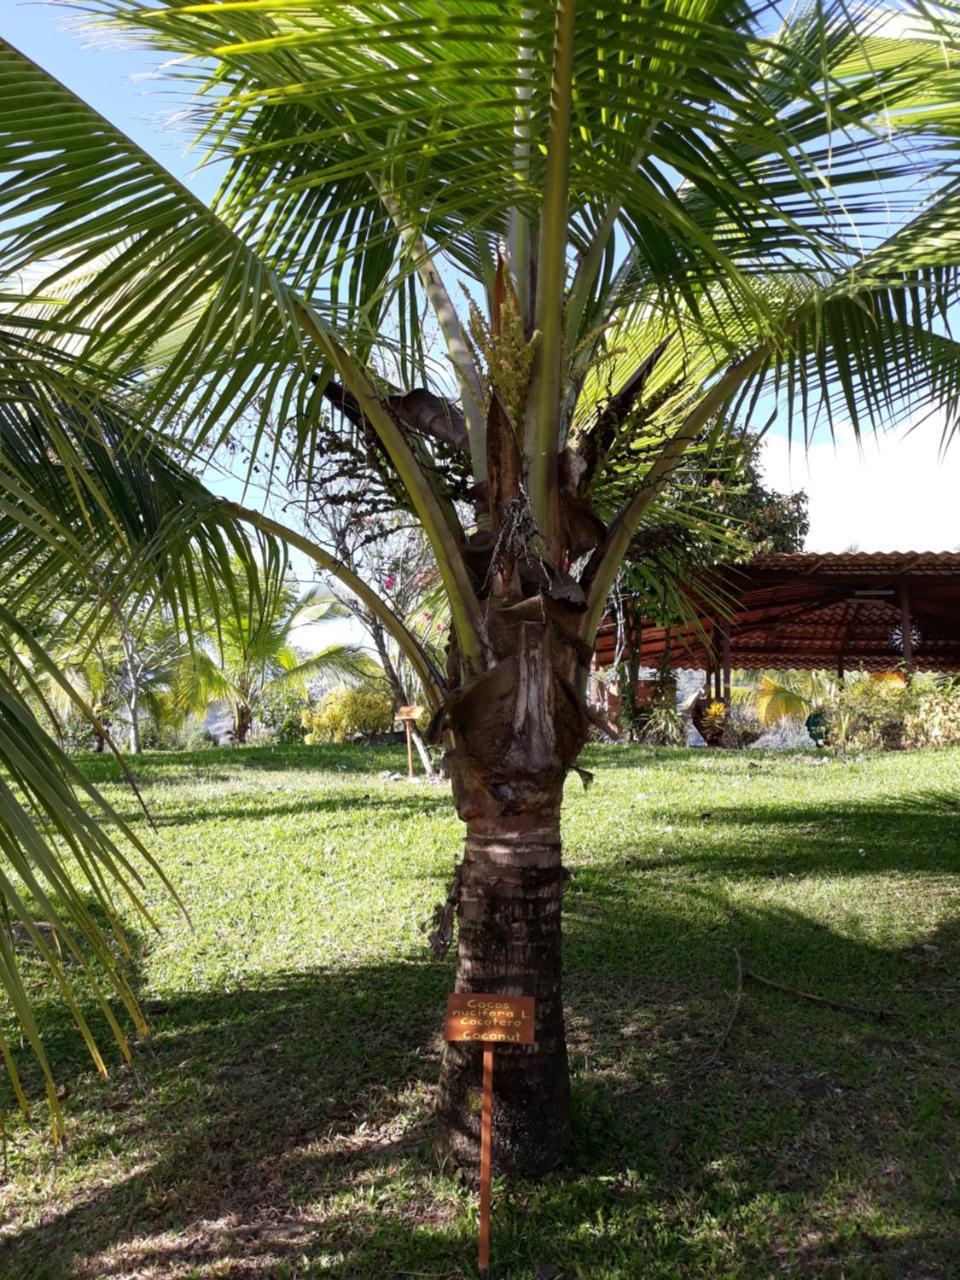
(389, 550)
(716, 508)
(124, 668)
(761, 518)
(636, 202)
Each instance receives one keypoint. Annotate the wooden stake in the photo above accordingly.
(486, 1126)
(408, 727)
(489, 1018)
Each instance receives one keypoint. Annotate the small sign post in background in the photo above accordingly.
(408, 715)
(493, 1020)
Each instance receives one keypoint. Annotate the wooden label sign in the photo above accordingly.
(491, 1018)
(409, 713)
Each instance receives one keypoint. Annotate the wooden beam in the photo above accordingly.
(843, 636)
(906, 623)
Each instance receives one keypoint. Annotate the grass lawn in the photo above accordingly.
(277, 1123)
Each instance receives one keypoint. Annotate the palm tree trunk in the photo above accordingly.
(133, 707)
(628, 672)
(516, 730)
(133, 678)
(242, 724)
(510, 943)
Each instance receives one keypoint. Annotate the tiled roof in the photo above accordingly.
(808, 610)
(895, 562)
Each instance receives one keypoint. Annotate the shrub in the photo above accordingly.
(75, 733)
(714, 721)
(189, 736)
(867, 715)
(280, 714)
(197, 737)
(161, 737)
(344, 713)
(664, 725)
(934, 718)
(885, 713)
(741, 727)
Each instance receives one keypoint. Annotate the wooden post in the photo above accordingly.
(840, 668)
(906, 626)
(409, 728)
(486, 1130)
(726, 662)
(407, 716)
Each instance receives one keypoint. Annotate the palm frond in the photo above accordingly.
(55, 854)
(347, 663)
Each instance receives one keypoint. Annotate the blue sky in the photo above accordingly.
(894, 494)
(114, 80)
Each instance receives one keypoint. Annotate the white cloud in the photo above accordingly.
(893, 492)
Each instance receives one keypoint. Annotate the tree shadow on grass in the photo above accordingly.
(813, 1141)
(436, 800)
(158, 766)
(284, 1130)
(245, 1107)
(912, 834)
(622, 755)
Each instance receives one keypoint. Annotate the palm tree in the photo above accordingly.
(663, 217)
(249, 651)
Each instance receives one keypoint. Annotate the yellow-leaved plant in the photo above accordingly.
(345, 712)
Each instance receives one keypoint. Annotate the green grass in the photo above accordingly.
(278, 1122)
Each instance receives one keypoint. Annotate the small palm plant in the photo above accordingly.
(249, 650)
(777, 696)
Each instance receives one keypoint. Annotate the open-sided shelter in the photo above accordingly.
(850, 610)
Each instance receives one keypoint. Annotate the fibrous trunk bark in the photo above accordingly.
(511, 891)
(515, 729)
